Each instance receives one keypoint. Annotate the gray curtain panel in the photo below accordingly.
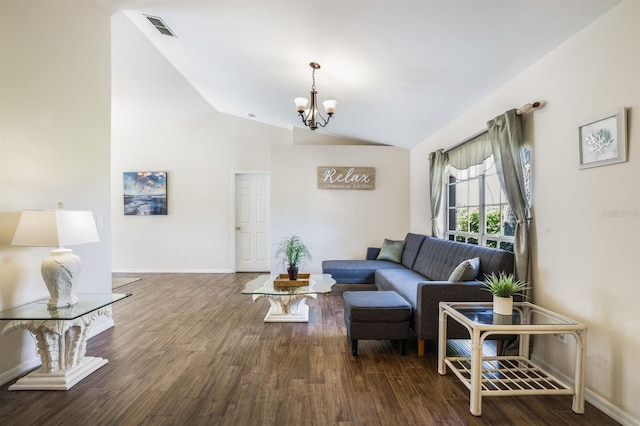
(505, 132)
(437, 163)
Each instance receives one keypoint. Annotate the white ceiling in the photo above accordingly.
(399, 69)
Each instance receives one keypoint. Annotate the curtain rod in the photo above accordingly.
(469, 139)
(524, 109)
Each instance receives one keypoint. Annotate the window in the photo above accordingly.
(477, 208)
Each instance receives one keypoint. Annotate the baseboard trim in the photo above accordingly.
(592, 398)
(170, 271)
(19, 370)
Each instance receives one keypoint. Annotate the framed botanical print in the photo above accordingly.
(603, 140)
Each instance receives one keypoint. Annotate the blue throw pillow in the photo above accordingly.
(391, 250)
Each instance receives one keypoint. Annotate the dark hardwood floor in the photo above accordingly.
(189, 349)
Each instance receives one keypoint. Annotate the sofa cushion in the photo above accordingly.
(467, 270)
(356, 271)
(402, 281)
(412, 244)
(391, 251)
(438, 258)
(372, 253)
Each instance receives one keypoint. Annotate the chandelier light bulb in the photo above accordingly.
(301, 104)
(330, 106)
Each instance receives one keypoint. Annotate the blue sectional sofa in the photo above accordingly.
(422, 277)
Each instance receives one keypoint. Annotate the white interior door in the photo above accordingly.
(252, 222)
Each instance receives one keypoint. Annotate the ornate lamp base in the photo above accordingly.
(59, 272)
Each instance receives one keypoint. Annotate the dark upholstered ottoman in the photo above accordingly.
(376, 315)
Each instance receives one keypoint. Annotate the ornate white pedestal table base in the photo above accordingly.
(292, 308)
(62, 345)
(60, 380)
(61, 339)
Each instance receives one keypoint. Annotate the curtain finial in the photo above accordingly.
(528, 107)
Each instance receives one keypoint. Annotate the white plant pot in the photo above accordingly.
(503, 305)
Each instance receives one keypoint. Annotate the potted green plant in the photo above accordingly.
(292, 251)
(503, 287)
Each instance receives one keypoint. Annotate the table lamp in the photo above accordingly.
(57, 228)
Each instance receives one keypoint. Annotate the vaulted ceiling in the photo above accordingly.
(399, 69)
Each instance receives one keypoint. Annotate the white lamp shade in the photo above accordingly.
(301, 104)
(55, 228)
(330, 106)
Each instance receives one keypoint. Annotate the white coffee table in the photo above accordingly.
(288, 304)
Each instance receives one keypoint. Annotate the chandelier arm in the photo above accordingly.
(310, 122)
(304, 120)
(325, 121)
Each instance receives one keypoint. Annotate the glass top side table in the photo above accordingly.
(509, 375)
(61, 337)
(38, 310)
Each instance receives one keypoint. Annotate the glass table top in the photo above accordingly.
(318, 283)
(38, 310)
(524, 313)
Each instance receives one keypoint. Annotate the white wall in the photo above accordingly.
(338, 224)
(54, 144)
(586, 223)
(160, 123)
(304, 136)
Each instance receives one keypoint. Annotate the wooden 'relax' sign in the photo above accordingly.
(346, 177)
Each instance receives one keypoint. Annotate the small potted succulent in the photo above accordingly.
(292, 251)
(503, 287)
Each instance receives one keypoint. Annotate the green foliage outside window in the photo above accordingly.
(472, 224)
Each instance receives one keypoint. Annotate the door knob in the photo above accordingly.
(237, 228)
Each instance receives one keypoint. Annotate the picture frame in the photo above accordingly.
(145, 193)
(602, 140)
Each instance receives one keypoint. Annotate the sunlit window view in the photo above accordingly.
(478, 211)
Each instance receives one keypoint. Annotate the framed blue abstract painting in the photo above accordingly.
(145, 193)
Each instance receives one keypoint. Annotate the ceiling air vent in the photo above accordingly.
(160, 25)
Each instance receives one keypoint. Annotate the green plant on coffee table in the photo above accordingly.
(504, 285)
(292, 251)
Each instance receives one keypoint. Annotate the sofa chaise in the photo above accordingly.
(425, 271)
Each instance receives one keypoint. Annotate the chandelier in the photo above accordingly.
(310, 114)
